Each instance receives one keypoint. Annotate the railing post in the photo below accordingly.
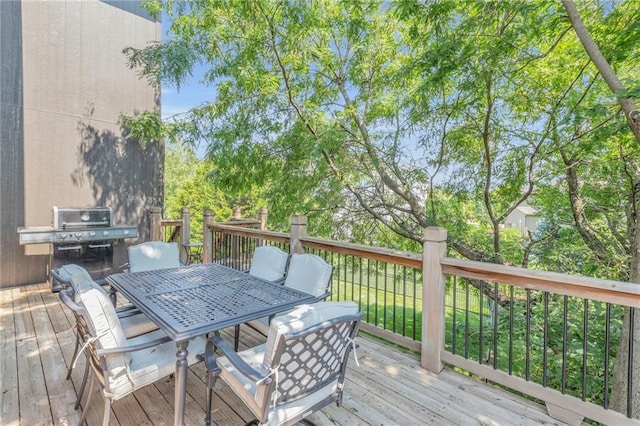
(298, 229)
(155, 233)
(207, 237)
(433, 297)
(234, 262)
(262, 217)
(185, 235)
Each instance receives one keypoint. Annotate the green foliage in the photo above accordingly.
(188, 184)
(146, 127)
(377, 119)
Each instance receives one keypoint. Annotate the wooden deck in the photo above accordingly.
(388, 388)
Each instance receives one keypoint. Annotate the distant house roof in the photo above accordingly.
(527, 210)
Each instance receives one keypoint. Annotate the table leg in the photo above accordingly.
(181, 382)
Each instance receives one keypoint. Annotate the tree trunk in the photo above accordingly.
(620, 400)
(608, 74)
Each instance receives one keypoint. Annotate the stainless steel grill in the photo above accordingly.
(84, 236)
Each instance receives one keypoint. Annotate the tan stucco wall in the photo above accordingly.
(76, 84)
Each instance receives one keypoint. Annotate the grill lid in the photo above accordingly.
(77, 218)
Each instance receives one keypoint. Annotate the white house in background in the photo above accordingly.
(525, 218)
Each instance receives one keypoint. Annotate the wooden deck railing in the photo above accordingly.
(490, 320)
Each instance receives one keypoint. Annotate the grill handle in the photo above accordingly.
(94, 246)
(68, 248)
(76, 224)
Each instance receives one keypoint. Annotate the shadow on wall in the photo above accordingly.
(122, 174)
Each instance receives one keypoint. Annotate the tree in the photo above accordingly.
(628, 156)
(397, 116)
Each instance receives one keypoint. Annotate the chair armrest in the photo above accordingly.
(322, 297)
(133, 348)
(127, 311)
(245, 369)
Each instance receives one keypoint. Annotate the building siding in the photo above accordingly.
(75, 85)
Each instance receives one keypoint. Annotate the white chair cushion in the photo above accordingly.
(244, 388)
(153, 255)
(132, 325)
(308, 273)
(135, 325)
(67, 272)
(259, 358)
(108, 329)
(79, 278)
(302, 318)
(284, 412)
(149, 365)
(269, 263)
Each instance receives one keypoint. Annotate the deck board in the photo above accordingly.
(387, 388)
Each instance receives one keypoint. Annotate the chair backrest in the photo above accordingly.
(309, 347)
(308, 273)
(269, 263)
(153, 255)
(104, 326)
(76, 277)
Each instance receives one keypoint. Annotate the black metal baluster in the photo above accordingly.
(565, 309)
(454, 325)
(585, 348)
(466, 321)
(528, 336)
(481, 321)
(511, 315)
(404, 301)
(632, 313)
(495, 325)
(384, 298)
(545, 340)
(607, 348)
(415, 304)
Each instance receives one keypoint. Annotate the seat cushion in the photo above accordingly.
(308, 273)
(153, 255)
(135, 325)
(108, 330)
(299, 408)
(269, 263)
(244, 388)
(150, 365)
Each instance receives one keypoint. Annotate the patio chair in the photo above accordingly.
(300, 369)
(119, 366)
(134, 323)
(307, 273)
(269, 263)
(153, 255)
(77, 279)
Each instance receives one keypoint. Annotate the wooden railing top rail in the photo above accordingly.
(241, 222)
(397, 257)
(171, 222)
(280, 237)
(622, 293)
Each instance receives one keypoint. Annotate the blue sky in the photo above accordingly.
(191, 93)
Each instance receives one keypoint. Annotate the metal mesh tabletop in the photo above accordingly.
(198, 299)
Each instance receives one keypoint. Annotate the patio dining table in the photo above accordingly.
(194, 300)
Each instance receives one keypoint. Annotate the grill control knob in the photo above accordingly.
(92, 233)
(125, 232)
(63, 235)
(78, 234)
(105, 233)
